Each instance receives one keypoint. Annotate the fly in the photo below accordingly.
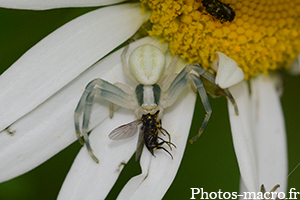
(148, 134)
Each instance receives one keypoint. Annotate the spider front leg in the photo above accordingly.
(183, 79)
(202, 92)
(107, 91)
(180, 82)
(208, 76)
(80, 107)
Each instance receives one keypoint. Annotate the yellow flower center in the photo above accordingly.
(264, 34)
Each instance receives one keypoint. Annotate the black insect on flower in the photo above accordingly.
(148, 134)
(219, 10)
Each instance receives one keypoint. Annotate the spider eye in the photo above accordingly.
(147, 64)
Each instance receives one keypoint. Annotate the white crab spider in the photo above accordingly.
(153, 92)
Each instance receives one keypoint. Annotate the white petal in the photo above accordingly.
(266, 139)
(243, 189)
(47, 4)
(96, 180)
(228, 72)
(270, 135)
(243, 136)
(50, 128)
(295, 66)
(89, 180)
(62, 56)
(158, 172)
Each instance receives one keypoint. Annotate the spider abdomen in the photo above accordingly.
(147, 64)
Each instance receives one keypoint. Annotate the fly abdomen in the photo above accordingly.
(151, 128)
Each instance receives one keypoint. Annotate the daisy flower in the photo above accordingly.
(41, 89)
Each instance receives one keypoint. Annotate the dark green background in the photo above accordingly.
(209, 163)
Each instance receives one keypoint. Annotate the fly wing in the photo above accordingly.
(124, 131)
(139, 146)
